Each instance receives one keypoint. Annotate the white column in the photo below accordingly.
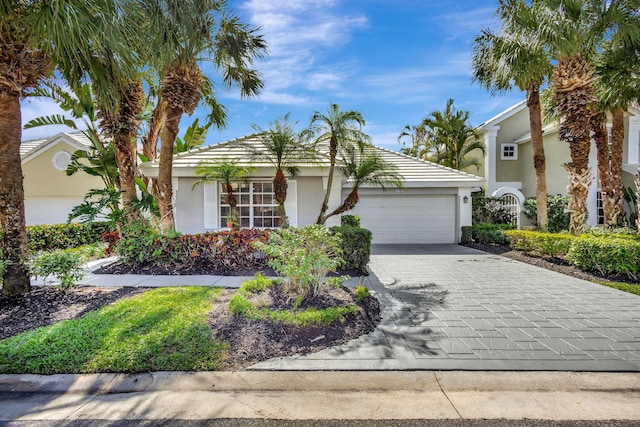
(592, 197)
(632, 154)
(490, 135)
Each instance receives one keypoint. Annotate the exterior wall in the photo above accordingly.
(42, 179)
(189, 203)
(556, 153)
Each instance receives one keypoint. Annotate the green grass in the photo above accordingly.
(160, 330)
(627, 287)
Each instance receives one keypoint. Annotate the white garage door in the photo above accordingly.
(408, 219)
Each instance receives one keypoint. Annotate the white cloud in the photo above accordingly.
(300, 34)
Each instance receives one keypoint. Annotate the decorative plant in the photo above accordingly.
(303, 257)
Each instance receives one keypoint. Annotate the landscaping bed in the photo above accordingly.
(243, 342)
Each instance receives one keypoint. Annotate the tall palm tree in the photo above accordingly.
(228, 173)
(572, 30)
(342, 129)
(502, 61)
(284, 148)
(618, 88)
(453, 138)
(364, 166)
(37, 36)
(181, 32)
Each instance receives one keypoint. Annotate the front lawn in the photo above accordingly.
(162, 329)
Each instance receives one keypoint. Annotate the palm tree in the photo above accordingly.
(419, 138)
(182, 30)
(37, 36)
(502, 61)
(284, 148)
(618, 88)
(572, 30)
(342, 129)
(453, 138)
(364, 166)
(228, 173)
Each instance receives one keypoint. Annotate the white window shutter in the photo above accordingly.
(211, 208)
(291, 203)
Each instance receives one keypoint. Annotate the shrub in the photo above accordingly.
(557, 215)
(63, 236)
(607, 255)
(350, 221)
(222, 251)
(467, 234)
(303, 257)
(66, 265)
(490, 233)
(356, 247)
(489, 210)
(552, 244)
(362, 293)
(4, 263)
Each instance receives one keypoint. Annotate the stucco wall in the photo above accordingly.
(42, 179)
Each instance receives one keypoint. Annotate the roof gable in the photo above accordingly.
(500, 117)
(34, 147)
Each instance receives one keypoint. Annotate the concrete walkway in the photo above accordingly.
(322, 395)
(455, 308)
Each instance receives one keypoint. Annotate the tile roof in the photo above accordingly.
(414, 170)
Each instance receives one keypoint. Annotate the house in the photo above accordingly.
(507, 165)
(433, 205)
(49, 193)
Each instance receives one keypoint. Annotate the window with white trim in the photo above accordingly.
(599, 208)
(61, 160)
(255, 204)
(509, 152)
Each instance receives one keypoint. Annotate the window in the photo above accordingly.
(255, 203)
(509, 152)
(599, 208)
(61, 160)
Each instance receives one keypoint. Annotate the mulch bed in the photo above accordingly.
(253, 341)
(550, 263)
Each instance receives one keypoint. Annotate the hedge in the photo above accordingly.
(553, 244)
(607, 253)
(490, 233)
(49, 237)
(356, 247)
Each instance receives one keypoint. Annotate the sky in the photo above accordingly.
(393, 61)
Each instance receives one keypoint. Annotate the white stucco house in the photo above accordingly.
(433, 205)
(49, 193)
(507, 164)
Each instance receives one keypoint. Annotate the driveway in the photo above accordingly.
(452, 307)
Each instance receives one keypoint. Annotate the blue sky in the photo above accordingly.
(394, 61)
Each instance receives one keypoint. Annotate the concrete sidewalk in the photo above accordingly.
(321, 395)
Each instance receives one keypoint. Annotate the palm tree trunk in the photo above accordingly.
(539, 159)
(165, 168)
(617, 140)
(12, 218)
(125, 157)
(349, 203)
(333, 153)
(150, 142)
(573, 95)
(601, 139)
(280, 194)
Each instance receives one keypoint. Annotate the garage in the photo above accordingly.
(400, 218)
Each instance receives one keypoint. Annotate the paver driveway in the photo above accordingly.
(451, 307)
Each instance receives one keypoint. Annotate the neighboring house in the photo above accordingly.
(49, 193)
(433, 206)
(507, 165)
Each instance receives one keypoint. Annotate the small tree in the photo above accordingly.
(284, 148)
(228, 173)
